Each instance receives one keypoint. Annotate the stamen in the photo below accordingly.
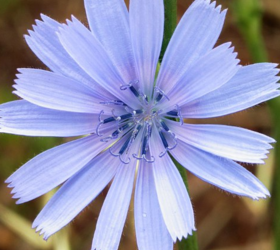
(160, 94)
(114, 102)
(116, 133)
(165, 143)
(176, 113)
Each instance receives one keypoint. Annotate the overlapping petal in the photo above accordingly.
(92, 57)
(251, 85)
(54, 91)
(24, 118)
(172, 195)
(151, 231)
(208, 73)
(226, 141)
(76, 194)
(108, 21)
(44, 42)
(195, 35)
(221, 172)
(146, 39)
(52, 167)
(112, 217)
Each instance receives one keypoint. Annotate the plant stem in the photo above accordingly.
(249, 16)
(170, 22)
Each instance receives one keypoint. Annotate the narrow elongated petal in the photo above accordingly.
(195, 35)
(24, 118)
(44, 42)
(151, 231)
(52, 167)
(54, 91)
(251, 85)
(221, 172)
(93, 58)
(146, 38)
(172, 195)
(207, 74)
(226, 141)
(114, 210)
(108, 21)
(76, 194)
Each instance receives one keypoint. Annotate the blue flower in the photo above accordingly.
(101, 85)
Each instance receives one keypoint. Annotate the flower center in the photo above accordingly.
(126, 125)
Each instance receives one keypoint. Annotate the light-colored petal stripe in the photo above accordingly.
(172, 195)
(108, 21)
(226, 141)
(52, 167)
(24, 118)
(44, 42)
(146, 25)
(151, 231)
(221, 172)
(207, 74)
(195, 35)
(76, 194)
(55, 91)
(92, 57)
(113, 214)
(251, 85)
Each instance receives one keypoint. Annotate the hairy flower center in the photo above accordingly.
(126, 125)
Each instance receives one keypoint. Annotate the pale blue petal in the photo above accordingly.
(146, 25)
(44, 42)
(221, 172)
(251, 85)
(172, 194)
(54, 91)
(76, 194)
(151, 231)
(108, 21)
(52, 167)
(92, 57)
(24, 118)
(113, 214)
(195, 35)
(226, 141)
(207, 74)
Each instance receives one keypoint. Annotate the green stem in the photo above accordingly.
(170, 12)
(170, 22)
(249, 16)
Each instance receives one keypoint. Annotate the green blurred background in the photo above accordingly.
(224, 222)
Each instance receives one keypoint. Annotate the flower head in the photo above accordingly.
(102, 84)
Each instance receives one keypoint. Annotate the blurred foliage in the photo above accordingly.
(224, 222)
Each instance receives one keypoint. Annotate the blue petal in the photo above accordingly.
(151, 232)
(52, 167)
(221, 172)
(24, 118)
(76, 194)
(146, 25)
(92, 57)
(54, 91)
(114, 210)
(251, 85)
(194, 37)
(172, 195)
(208, 73)
(226, 141)
(44, 42)
(108, 21)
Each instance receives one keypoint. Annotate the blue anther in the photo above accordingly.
(173, 113)
(163, 124)
(134, 91)
(159, 97)
(126, 116)
(124, 147)
(110, 119)
(164, 141)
